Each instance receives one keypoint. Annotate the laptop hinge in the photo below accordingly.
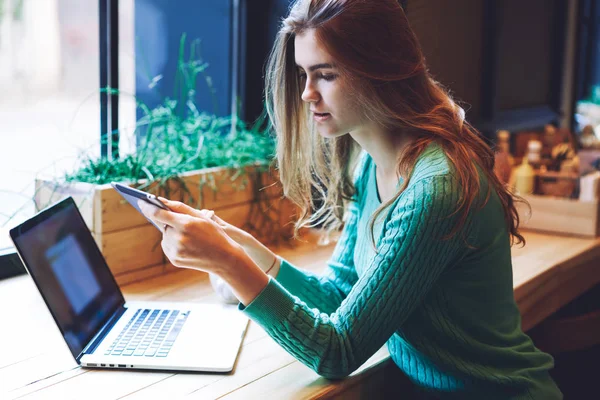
(96, 340)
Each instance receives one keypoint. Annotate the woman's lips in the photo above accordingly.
(321, 117)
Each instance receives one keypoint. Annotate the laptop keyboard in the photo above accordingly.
(149, 333)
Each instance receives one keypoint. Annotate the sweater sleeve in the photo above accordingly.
(412, 255)
(327, 291)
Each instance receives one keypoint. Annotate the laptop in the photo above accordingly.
(99, 327)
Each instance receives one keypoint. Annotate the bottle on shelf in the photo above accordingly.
(503, 159)
(523, 178)
(549, 140)
(534, 153)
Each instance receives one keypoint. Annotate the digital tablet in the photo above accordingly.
(133, 195)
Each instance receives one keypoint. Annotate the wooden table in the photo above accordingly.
(35, 363)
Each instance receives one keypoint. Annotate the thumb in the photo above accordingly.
(180, 208)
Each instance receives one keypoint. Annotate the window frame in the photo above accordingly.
(109, 78)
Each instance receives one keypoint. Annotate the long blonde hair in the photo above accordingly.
(373, 44)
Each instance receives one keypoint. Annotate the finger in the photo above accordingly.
(227, 227)
(209, 214)
(161, 216)
(180, 207)
(218, 219)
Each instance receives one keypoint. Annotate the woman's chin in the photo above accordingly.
(328, 133)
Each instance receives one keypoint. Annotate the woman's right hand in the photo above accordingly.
(259, 253)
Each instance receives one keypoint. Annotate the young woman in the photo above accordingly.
(423, 263)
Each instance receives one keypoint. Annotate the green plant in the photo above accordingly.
(174, 145)
(176, 137)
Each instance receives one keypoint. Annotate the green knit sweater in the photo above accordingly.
(445, 311)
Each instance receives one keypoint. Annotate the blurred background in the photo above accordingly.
(516, 65)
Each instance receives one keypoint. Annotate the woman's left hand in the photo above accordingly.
(193, 241)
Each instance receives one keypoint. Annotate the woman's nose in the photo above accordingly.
(310, 95)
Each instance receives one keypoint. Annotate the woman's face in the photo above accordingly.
(330, 100)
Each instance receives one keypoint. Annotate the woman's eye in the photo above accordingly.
(328, 77)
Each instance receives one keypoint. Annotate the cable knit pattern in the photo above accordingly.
(445, 311)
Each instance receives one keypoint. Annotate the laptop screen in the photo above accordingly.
(69, 271)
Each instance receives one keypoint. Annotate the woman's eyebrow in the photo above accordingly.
(317, 66)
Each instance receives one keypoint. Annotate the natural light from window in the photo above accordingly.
(50, 106)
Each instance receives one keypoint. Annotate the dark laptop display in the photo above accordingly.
(67, 266)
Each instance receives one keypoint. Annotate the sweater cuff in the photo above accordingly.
(272, 306)
(289, 276)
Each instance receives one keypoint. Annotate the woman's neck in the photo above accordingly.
(384, 147)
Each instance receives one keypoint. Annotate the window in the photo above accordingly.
(50, 108)
(160, 26)
(587, 81)
(51, 58)
(49, 105)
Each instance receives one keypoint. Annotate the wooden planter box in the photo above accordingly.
(131, 245)
(560, 215)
